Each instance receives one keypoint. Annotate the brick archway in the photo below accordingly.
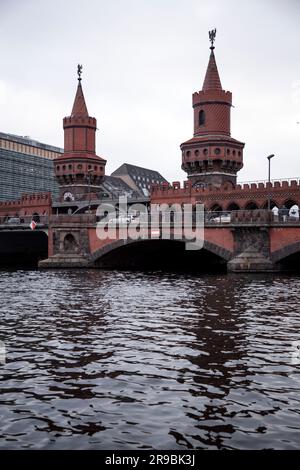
(251, 205)
(233, 206)
(290, 203)
(286, 251)
(216, 207)
(273, 203)
(224, 254)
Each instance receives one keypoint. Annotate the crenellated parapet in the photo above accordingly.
(28, 204)
(84, 120)
(242, 196)
(207, 96)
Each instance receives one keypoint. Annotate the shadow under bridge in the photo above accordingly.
(20, 248)
(160, 254)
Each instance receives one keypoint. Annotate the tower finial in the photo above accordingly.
(79, 71)
(212, 37)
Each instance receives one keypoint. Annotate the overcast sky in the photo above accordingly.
(142, 60)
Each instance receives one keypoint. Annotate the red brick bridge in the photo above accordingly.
(247, 240)
(251, 241)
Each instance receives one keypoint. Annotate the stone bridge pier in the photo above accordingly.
(252, 250)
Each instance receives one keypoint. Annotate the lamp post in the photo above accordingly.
(269, 180)
(89, 188)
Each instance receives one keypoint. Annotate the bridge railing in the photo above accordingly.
(239, 216)
(163, 219)
(256, 216)
(73, 219)
(24, 220)
(210, 218)
(272, 181)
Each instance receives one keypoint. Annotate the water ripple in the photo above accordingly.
(120, 360)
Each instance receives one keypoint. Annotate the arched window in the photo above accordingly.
(201, 118)
(70, 244)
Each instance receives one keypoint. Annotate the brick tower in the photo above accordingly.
(79, 170)
(212, 157)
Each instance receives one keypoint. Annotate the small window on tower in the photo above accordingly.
(201, 118)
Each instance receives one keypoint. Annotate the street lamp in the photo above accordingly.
(89, 188)
(269, 180)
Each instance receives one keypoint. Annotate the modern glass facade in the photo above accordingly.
(26, 166)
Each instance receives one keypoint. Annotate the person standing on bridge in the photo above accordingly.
(284, 212)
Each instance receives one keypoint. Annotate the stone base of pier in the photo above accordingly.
(65, 261)
(251, 261)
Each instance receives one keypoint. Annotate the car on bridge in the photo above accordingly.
(121, 220)
(14, 221)
(221, 218)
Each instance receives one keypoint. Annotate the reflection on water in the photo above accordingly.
(120, 360)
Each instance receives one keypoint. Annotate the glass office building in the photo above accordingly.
(26, 166)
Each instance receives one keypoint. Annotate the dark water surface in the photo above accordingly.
(120, 360)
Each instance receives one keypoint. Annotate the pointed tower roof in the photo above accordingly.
(212, 80)
(79, 106)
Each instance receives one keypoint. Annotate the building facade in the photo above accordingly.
(138, 178)
(26, 166)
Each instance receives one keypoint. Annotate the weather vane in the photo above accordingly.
(212, 37)
(79, 71)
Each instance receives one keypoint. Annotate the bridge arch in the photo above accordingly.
(23, 247)
(160, 252)
(285, 252)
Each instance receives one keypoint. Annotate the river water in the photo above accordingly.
(133, 360)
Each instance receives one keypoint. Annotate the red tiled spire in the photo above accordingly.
(80, 128)
(79, 106)
(212, 157)
(79, 170)
(212, 80)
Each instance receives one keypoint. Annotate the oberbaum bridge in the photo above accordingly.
(247, 227)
